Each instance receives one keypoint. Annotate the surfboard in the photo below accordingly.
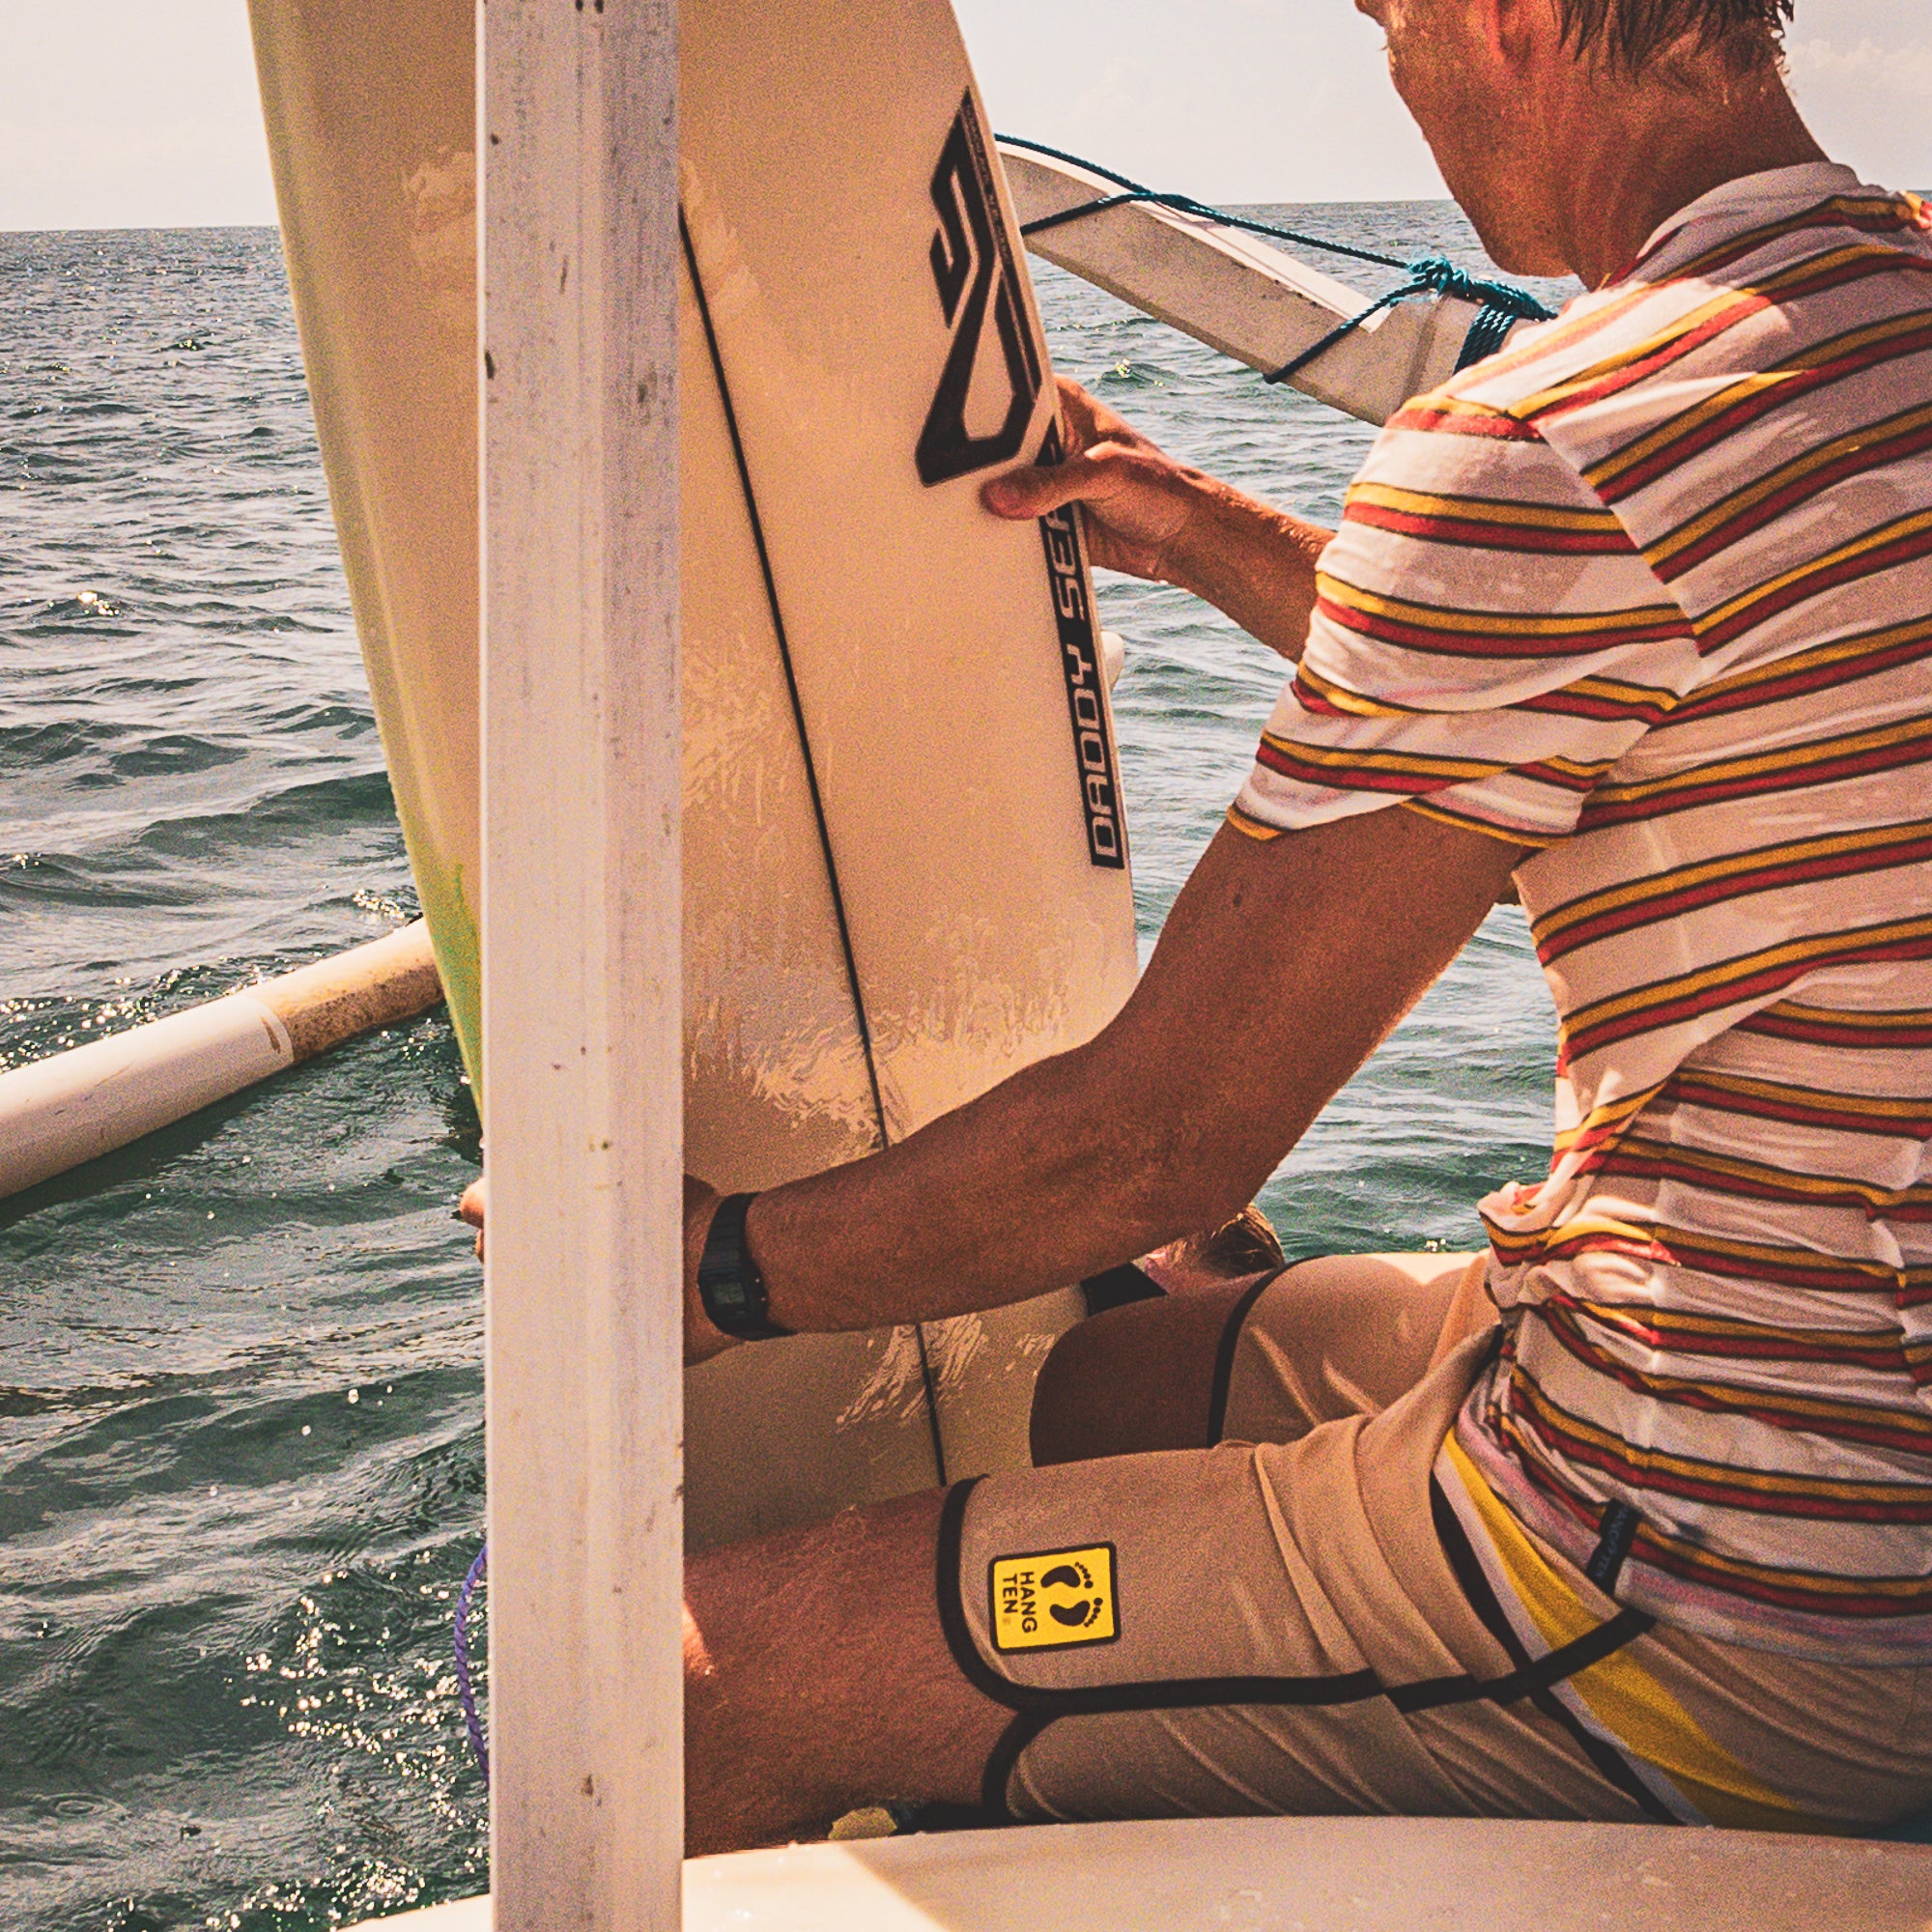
(906, 857)
(1235, 290)
(373, 155)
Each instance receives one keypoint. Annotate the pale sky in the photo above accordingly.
(142, 113)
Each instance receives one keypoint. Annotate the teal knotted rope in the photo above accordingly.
(1499, 306)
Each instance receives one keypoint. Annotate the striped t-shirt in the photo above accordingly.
(1652, 591)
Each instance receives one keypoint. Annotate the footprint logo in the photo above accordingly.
(1076, 1616)
(1072, 1577)
(1049, 1599)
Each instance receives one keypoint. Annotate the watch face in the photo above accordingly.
(729, 1281)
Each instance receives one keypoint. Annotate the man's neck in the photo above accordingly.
(1630, 163)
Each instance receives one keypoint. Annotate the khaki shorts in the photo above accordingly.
(1275, 1624)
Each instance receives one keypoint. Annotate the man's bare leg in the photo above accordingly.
(817, 1680)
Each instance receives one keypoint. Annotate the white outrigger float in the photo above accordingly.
(530, 158)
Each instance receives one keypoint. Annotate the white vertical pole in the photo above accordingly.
(578, 144)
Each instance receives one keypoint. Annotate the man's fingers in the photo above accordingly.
(1087, 420)
(1082, 415)
(1020, 493)
(474, 1208)
(1041, 488)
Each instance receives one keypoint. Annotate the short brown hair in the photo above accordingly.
(1633, 34)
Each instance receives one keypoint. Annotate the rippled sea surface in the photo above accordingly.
(240, 1374)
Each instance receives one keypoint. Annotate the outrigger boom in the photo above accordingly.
(90, 1100)
(1234, 290)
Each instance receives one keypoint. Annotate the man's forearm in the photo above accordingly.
(1072, 1165)
(1051, 1176)
(1252, 561)
(1280, 967)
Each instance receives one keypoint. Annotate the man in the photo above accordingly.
(1634, 1518)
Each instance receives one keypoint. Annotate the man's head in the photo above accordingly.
(1630, 35)
(1552, 118)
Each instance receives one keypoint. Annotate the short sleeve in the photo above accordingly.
(1487, 641)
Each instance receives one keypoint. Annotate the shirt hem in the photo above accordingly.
(1701, 1612)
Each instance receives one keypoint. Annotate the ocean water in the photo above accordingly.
(241, 1383)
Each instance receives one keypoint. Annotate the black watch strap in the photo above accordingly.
(729, 1281)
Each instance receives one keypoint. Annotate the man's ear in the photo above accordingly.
(1522, 34)
(1482, 21)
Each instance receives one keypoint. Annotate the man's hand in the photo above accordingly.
(1139, 502)
(1154, 518)
(475, 1207)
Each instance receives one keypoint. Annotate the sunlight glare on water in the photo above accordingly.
(240, 1382)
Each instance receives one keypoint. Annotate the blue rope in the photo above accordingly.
(1490, 330)
(464, 1689)
(1133, 190)
(1499, 306)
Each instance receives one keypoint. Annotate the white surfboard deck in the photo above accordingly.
(857, 304)
(1321, 1874)
(1239, 293)
(860, 351)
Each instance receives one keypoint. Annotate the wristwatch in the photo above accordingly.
(729, 1281)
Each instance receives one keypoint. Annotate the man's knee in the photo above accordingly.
(1134, 1378)
(1061, 1424)
(1340, 1335)
(1140, 1376)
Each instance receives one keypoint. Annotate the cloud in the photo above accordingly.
(122, 114)
(135, 174)
(1867, 98)
(1905, 70)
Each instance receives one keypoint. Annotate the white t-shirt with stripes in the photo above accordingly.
(1650, 592)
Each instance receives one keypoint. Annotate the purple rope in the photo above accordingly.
(464, 1689)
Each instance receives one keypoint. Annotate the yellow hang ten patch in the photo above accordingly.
(1054, 1599)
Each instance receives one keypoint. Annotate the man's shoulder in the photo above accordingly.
(1724, 322)
(1750, 227)
(1491, 417)
(1795, 283)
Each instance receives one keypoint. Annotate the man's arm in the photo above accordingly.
(1281, 965)
(1157, 519)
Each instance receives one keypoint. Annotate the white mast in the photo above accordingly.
(578, 147)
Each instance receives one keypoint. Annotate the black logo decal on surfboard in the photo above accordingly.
(1080, 662)
(992, 375)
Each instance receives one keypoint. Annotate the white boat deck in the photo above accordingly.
(1302, 1875)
